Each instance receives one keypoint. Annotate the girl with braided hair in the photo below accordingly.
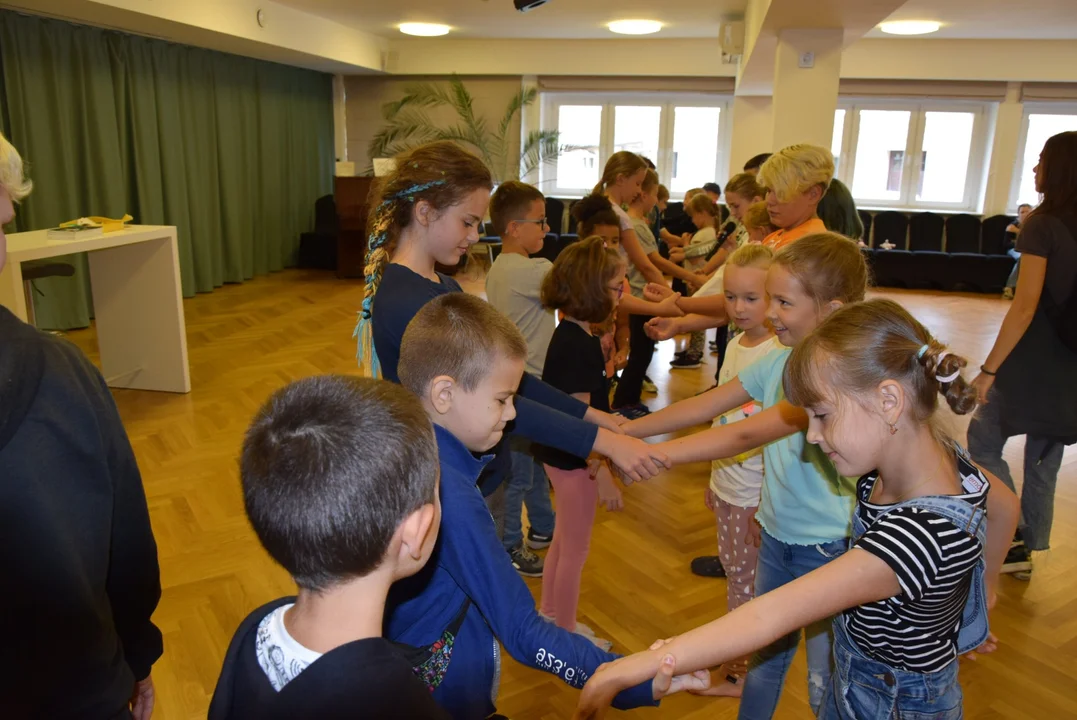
(428, 211)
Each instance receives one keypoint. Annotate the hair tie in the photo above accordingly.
(947, 378)
(920, 353)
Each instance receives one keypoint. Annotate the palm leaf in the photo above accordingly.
(540, 147)
(410, 127)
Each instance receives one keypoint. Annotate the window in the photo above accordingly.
(681, 134)
(1041, 122)
(922, 155)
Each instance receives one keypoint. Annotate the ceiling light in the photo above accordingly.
(635, 27)
(424, 29)
(910, 27)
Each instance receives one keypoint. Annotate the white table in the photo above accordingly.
(138, 304)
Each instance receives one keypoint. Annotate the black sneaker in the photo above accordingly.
(526, 562)
(708, 566)
(538, 541)
(633, 412)
(1018, 562)
(689, 361)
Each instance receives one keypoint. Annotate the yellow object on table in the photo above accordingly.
(106, 224)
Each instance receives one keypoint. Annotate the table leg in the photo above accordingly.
(138, 307)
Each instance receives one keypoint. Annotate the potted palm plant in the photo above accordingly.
(408, 123)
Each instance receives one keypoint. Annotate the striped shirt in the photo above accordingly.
(916, 630)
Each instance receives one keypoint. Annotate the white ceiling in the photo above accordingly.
(583, 19)
(566, 19)
(994, 19)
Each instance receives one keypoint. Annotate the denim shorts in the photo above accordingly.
(864, 689)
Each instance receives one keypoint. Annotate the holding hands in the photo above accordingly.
(662, 328)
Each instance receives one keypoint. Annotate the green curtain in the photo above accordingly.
(230, 150)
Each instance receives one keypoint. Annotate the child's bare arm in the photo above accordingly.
(725, 441)
(857, 577)
(711, 305)
(1003, 511)
(665, 328)
(668, 307)
(690, 411)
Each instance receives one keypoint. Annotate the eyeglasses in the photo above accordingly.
(620, 290)
(540, 222)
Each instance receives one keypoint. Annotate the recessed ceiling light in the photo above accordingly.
(424, 29)
(635, 27)
(910, 27)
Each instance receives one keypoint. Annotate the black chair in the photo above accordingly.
(866, 217)
(925, 232)
(676, 220)
(891, 227)
(932, 265)
(724, 212)
(555, 214)
(567, 239)
(551, 247)
(571, 220)
(894, 267)
(993, 235)
(318, 248)
(31, 272)
(963, 233)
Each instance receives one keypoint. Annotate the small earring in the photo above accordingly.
(893, 428)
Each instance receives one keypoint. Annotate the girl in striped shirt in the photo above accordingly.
(930, 530)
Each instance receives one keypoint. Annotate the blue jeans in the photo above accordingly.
(1043, 458)
(527, 485)
(1012, 281)
(781, 563)
(863, 688)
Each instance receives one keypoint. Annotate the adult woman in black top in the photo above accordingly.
(1028, 383)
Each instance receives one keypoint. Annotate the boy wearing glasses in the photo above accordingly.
(513, 286)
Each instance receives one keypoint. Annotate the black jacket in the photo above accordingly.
(78, 562)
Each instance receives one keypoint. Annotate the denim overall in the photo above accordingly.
(865, 689)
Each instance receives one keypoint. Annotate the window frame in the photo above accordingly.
(979, 148)
(551, 103)
(1029, 109)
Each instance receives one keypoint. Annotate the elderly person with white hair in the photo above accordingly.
(80, 563)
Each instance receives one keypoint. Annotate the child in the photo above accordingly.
(513, 286)
(584, 285)
(626, 399)
(705, 216)
(796, 179)
(622, 182)
(806, 505)
(428, 211)
(917, 584)
(465, 361)
(757, 223)
(340, 484)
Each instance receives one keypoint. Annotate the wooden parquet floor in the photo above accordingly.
(247, 340)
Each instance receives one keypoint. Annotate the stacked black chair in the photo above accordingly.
(892, 267)
(555, 214)
(931, 264)
(998, 265)
(967, 265)
(571, 220)
(866, 216)
(676, 220)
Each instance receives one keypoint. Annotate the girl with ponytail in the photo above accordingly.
(930, 530)
(428, 211)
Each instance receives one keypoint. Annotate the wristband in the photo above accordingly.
(985, 371)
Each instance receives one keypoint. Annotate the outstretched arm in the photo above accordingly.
(725, 441)
(690, 411)
(857, 577)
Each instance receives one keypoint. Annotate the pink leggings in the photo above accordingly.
(738, 560)
(576, 496)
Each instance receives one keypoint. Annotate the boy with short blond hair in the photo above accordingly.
(513, 285)
(465, 361)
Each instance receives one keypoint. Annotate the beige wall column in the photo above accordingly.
(1001, 164)
(753, 130)
(805, 97)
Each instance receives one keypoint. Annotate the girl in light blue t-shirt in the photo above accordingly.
(806, 506)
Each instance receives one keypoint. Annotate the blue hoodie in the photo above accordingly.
(469, 563)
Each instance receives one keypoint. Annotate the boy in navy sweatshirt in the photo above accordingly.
(340, 483)
(465, 360)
